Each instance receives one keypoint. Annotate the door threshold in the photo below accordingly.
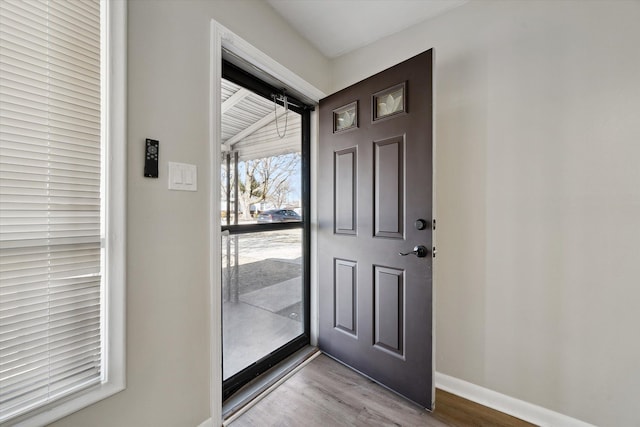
(254, 391)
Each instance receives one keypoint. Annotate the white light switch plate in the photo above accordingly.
(183, 177)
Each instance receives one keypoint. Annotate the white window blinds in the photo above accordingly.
(50, 201)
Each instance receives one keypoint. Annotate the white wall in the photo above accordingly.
(168, 267)
(538, 183)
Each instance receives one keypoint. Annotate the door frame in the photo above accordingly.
(222, 37)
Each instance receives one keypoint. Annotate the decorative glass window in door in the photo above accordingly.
(389, 102)
(346, 117)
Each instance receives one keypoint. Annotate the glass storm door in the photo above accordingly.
(265, 244)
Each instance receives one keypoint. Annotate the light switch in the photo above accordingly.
(183, 177)
(177, 179)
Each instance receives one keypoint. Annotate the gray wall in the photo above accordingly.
(538, 181)
(168, 249)
(538, 198)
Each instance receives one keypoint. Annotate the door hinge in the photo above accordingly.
(434, 251)
(434, 223)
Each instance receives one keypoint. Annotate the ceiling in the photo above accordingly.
(250, 126)
(337, 27)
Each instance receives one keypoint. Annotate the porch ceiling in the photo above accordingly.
(249, 124)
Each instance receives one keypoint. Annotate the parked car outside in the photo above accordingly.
(278, 215)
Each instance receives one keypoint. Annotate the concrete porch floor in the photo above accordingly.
(256, 325)
(262, 294)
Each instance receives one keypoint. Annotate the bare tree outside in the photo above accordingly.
(281, 194)
(266, 180)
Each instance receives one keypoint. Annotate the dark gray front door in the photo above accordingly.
(375, 201)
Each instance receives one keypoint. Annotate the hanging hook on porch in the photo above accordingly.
(281, 98)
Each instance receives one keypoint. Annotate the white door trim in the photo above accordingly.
(222, 37)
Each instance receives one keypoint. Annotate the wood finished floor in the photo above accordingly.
(326, 393)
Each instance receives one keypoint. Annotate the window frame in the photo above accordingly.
(114, 102)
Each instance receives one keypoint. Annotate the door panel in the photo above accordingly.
(389, 304)
(345, 292)
(388, 189)
(375, 181)
(346, 180)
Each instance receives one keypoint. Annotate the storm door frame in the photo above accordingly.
(242, 78)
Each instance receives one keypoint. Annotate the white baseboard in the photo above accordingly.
(206, 423)
(508, 405)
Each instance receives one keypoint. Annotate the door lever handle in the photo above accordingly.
(420, 251)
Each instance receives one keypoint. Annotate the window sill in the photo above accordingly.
(47, 414)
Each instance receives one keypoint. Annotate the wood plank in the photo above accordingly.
(456, 411)
(327, 393)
